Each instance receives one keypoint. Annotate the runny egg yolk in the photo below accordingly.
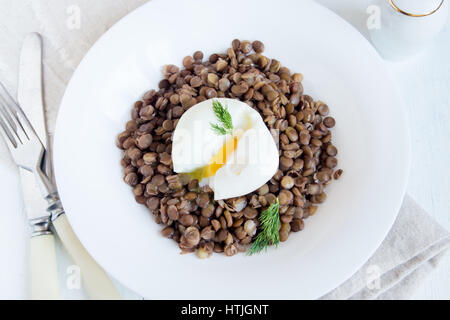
(217, 161)
(220, 158)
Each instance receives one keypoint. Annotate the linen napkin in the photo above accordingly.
(415, 244)
(413, 248)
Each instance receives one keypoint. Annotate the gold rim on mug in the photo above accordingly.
(413, 14)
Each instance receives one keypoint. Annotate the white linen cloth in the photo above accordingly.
(414, 246)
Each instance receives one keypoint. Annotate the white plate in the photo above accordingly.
(340, 67)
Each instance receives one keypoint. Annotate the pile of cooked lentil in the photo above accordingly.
(299, 124)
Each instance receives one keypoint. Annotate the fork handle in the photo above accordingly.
(44, 274)
(96, 282)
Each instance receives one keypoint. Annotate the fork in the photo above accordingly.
(28, 153)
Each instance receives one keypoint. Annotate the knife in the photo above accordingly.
(44, 274)
(96, 282)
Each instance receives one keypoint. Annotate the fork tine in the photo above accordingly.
(6, 133)
(11, 111)
(8, 119)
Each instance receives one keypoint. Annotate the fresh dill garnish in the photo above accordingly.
(218, 129)
(268, 234)
(224, 117)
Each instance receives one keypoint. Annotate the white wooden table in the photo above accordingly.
(425, 85)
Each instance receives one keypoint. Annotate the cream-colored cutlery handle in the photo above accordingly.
(44, 273)
(96, 282)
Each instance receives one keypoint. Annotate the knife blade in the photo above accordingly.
(30, 85)
(29, 95)
(30, 91)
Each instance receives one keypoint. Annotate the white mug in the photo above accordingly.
(403, 28)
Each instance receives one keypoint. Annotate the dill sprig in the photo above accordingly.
(224, 116)
(268, 234)
(218, 129)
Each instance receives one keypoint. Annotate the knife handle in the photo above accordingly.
(44, 273)
(96, 282)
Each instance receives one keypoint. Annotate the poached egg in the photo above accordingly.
(232, 164)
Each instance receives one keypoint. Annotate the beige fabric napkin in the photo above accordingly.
(413, 247)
